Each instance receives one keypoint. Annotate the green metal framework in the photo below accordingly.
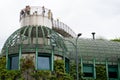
(95, 52)
(29, 38)
(90, 49)
(33, 39)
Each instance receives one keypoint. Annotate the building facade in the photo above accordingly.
(44, 40)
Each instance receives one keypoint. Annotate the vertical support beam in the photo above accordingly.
(20, 53)
(36, 49)
(64, 60)
(118, 69)
(107, 70)
(29, 35)
(52, 59)
(6, 57)
(81, 63)
(36, 58)
(64, 51)
(77, 63)
(94, 68)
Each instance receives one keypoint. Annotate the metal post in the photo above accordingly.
(52, 59)
(107, 70)
(77, 60)
(20, 53)
(52, 44)
(81, 67)
(77, 63)
(64, 61)
(36, 58)
(118, 68)
(94, 68)
(75, 46)
(36, 50)
(7, 58)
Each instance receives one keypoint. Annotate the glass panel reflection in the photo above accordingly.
(43, 63)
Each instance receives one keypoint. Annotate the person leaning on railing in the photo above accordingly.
(50, 16)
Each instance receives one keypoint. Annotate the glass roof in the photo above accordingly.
(99, 49)
(31, 36)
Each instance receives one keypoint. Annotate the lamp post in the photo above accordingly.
(75, 46)
(77, 63)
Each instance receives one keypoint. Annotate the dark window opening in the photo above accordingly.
(113, 75)
(88, 74)
(113, 71)
(14, 61)
(67, 65)
(88, 70)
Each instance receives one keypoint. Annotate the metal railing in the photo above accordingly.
(56, 24)
(61, 26)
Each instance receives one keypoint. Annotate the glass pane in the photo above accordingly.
(14, 62)
(88, 68)
(44, 63)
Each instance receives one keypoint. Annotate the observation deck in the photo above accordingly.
(41, 16)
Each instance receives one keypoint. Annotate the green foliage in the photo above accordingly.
(59, 66)
(7, 74)
(101, 72)
(73, 71)
(58, 74)
(27, 63)
(2, 68)
(27, 67)
(2, 63)
(41, 75)
(116, 40)
(12, 74)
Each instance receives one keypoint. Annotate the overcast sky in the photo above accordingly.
(83, 16)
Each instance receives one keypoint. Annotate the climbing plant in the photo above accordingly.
(73, 71)
(7, 74)
(101, 72)
(28, 71)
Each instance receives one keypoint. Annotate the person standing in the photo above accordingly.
(27, 10)
(43, 11)
(49, 14)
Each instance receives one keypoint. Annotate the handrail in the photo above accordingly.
(56, 24)
(60, 25)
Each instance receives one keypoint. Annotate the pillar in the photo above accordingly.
(94, 69)
(52, 59)
(107, 75)
(20, 53)
(6, 57)
(81, 63)
(36, 50)
(119, 69)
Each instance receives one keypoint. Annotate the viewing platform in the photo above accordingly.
(36, 15)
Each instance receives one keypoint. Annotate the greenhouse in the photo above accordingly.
(45, 40)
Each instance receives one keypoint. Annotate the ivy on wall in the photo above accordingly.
(28, 71)
(101, 72)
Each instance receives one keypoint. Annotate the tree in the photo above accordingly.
(116, 40)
